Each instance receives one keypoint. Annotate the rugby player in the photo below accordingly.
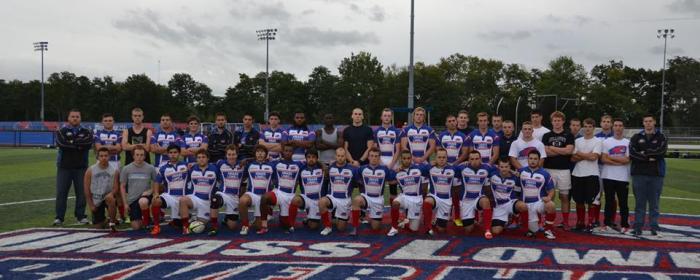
(585, 177)
(328, 139)
(171, 184)
(357, 138)
(506, 201)
(101, 183)
(343, 177)
(373, 176)
(193, 141)
(299, 136)
(286, 177)
(559, 145)
(484, 140)
(538, 129)
(203, 178)
(111, 139)
(463, 122)
(219, 138)
(259, 173)
(313, 185)
(137, 134)
(615, 174)
(419, 138)
(452, 141)
(388, 139)
(165, 136)
(272, 136)
(604, 133)
(409, 177)
(136, 185)
(475, 193)
(520, 148)
(231, 173)
(441, 178)
(538, 194)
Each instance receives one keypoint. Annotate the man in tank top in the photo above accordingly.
(137, 134)
(100, 185)
(328, 141)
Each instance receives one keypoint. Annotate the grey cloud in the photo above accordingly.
(377, 13)
(308, 12)
(576, 19)
(149, 23)
(276, 11)
(553, 18)
(504, 35)
(685, 6)
(312, 36)
(659, 50)
(581, 20)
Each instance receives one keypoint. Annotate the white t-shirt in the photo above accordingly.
(587, 167)
(537, 133)
(519, 149)
(616, 148)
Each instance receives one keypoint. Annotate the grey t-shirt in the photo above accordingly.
(101, 182)
(138, 180)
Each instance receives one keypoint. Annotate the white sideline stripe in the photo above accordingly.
(31, 201)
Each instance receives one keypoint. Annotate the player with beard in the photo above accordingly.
(313, 185)
(409, 177)
(538, 192)
(506, 202)
(476, 192)
(299, 136)
(286, 177)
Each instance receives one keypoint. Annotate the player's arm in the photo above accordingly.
(404, 143)
(320, 144)
(660, 150)
(85, 142)
(495, 151)
(635, 151)
(125, 141)
(115, 185)
(551, 150)
(147, 145)
(430, 150)
(62, 142)
(364, 156)
(607, 159)
(122, 190)
(349, 156)
(87, 181)
(463, 155)
(397, 153)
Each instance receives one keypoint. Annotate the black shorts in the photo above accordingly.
(135, 209)
(498, 223)
(98, 216)
(584, 189)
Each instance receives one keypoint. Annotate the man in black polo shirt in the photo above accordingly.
(559, 145)
(219, 138)
(249, 138)
(507, 138)
(358, 139)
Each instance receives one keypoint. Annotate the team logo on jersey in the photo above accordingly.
(618, 150)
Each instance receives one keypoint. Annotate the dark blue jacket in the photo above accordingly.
(74, 144)
(647, 153)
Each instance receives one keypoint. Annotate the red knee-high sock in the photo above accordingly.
(394, 217)
(185, 223)
(145, 217)
(356, 218)
(428, 216)
(292, 218)
(214, 222)
(488, 216)
(121, 211)
(580, 214)
(591, 214)
(524, 218)
(549, 220)
(155, 211)
(326, 218)
(456, 211)
(244, 220)
(565, 218)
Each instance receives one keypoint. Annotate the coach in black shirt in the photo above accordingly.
(559, 145)
(74, 143)
(358, 139)
(249, 138)
(509, 136)
(219, 138)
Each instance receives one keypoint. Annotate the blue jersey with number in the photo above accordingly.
(204, 181)
(374, 177)
(231, 176)
(313, 183)
(484, 143)
(109, 137)
(193, 141)
(411, 179)
(259, 176)
(535, 184)
(342, 178)
(418, 139)
(453, 143)
(164, 139)
(173, 177)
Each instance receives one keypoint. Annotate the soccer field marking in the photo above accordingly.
(31, 201)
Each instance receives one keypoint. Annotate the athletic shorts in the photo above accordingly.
(443, 206)
(341, 207)
(533, 211)
(230, 202)
(502, 211)
(469, 207)
(284, 199)
(135, 209)
(585, 189)
(255, 202)
(200, 206)
(311, 205)
(172, 202)
(375, 206)
(562, 180)
(98, 216)
(412, 204)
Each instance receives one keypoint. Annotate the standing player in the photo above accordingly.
(273, 136)
(605, 133)
(606, 123)
(193, 141)
(507, 138)
(503, 183)
(286, 177)
(418, 138)
(136, 184)
(219, 138)
(575, 127)
(137, 134)
(559, 145)
(474, 177)
(165, 136)
(538, 129)
(328, 139)
(441, 178)
(463, 122)
(520, 149)
(101, 183)
(357, 138)
(484, 140)
(373, 176)
(249, 137)
(409, 177)
(585, 175)
(342, 177)
(313, 186)
(388, 139)
(231, 174)
(538, 194)
(203, 178)
(111, 139)
(171, 185)
(259, 174)
(452, 141)
(615, 173)
(497, 123)
(299, 136)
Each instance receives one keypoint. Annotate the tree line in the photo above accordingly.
(455, 82)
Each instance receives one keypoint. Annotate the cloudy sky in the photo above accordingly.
(214, 41)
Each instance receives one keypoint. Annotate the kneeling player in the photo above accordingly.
(101, 184)
(203, 179)
(503, 183)
(286, 177)
(231, 172)
(259, 175)
(136, 180)
(409, 178)
(313, 187)
(373, 176)
(538, 190)
(441, 178)
(475, 196)
(172, 177)
(343, 177)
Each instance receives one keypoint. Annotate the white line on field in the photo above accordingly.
(31, 201)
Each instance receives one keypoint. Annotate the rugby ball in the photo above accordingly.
(197, 227)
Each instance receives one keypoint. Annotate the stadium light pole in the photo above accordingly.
(42, 46)
(410, 71)
(267, 35)
(665, 34)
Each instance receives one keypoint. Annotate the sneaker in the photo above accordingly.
(212, 232)
(393, 231)
(488, 234)
(185, 231)
(625, 230)
(112, 227)
(364, 221)
(84, 221)
(656, 233)
(530, 234)
(119, 221)
(290, 230)
(596, 224)
(563, 226)
(549, 235)
(353, 232)
(579, 227)
(244, 230)
(326, 231)
(57, 222)
(458, 222)
(403, 223)
(637, 232)
(589, 229)
(262, 230)
(513, 226)
(155, 230)
(540, 229)
(602, 229)
(430, 232)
